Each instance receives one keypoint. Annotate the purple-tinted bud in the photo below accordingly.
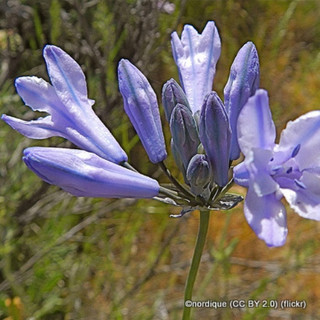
(84, 174)
(172, 94)
(140, 104)
(198, 173)
(184, 133)
(215, 135)
(242, 83)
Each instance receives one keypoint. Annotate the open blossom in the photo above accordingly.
(66, 100)
(84, 174)
(270, 171)
(196, 56)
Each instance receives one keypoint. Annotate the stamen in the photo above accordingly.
(295, 150)
(300, 184)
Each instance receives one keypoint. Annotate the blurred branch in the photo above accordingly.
(23, 272)
(151, 272)
(26, 204)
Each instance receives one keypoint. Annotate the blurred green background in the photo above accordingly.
(63, 257)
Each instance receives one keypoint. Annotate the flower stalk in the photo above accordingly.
(201, 239)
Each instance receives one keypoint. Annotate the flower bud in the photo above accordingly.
(141, 106)
(242, 84)
(215, 135)
(172, 94)
(184, 133)
(84, 174)
(198, 173)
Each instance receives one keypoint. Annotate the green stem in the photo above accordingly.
(201, 239)
(179, 186)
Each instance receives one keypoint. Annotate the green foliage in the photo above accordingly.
(55, 19)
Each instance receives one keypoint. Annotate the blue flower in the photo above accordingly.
(66, 100)
(290, 169)
(84, 174)
(141, 106)
(196, 56)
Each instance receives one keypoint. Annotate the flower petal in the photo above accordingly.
(242, 84)
(196, 56)
(304, 199)
(141, 106)
(84, 174)
(38, 94)
(257, 163)
(241, 175)
(301, 140)
(66, 77)
(267, 217)
(41, 128)
(255, 125)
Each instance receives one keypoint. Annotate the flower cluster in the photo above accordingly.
(208, 133)
(93, 171)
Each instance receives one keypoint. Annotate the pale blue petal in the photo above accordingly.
(66, 77)
(257, 163)
(267, 217)
(87, 175)
(41, 128)
(304, 196)
(255, 125)
(241, 175)
(196, 56)
(301, 139)
(38, 94)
